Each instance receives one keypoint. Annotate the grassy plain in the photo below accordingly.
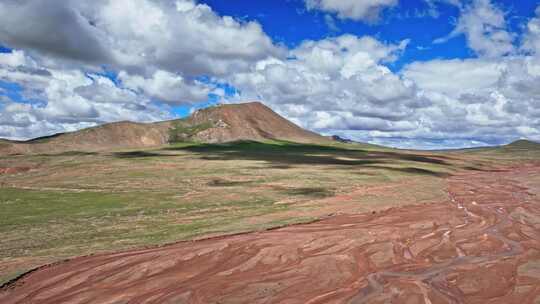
(62, 205)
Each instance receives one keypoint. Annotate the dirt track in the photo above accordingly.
(483, 246)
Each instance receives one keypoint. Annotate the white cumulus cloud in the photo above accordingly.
(80, 63)
(365, 10)
(135, 34)
(485, 28)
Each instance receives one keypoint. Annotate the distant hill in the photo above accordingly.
(117, 135)
(523, 144)
(341, 139)
(218, 124)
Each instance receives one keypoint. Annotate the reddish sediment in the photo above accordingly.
(481, 246)
(13, 170)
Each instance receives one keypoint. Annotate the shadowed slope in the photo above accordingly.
(290, 154)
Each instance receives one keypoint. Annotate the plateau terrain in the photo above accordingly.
(236, 204)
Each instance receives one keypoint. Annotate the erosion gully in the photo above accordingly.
(481, 246)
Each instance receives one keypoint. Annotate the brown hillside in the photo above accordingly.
(523, 144)
(117, 135)
(224, 123)
(248, 121)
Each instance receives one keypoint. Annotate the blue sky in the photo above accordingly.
(290, 23)
(420, 73)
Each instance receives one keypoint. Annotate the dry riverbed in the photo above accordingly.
(481, 245)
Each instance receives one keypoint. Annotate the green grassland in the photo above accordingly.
(182, 131)
(79, 203)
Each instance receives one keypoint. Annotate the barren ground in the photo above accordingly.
(57, 206)
(396, 228)
(481, 246)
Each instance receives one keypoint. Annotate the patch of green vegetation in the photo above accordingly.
(69, 153)
(181, 131)
(54, 223)
(516, 152)
(219, 182)
(313, 192)
(179, 145)
(523, 145)
(29, 207)
(12, 275)
(138, 154)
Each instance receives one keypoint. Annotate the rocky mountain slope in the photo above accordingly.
(248, 121)
(218, 124)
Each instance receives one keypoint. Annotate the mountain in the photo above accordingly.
(117, 135)
(341, 139)
(523, 144)
(218, 124)
(247, 121)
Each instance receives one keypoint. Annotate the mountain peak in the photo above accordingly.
(217, 124)
(244, 121)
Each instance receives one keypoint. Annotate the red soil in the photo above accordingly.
(483, 246)
(13, 170)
